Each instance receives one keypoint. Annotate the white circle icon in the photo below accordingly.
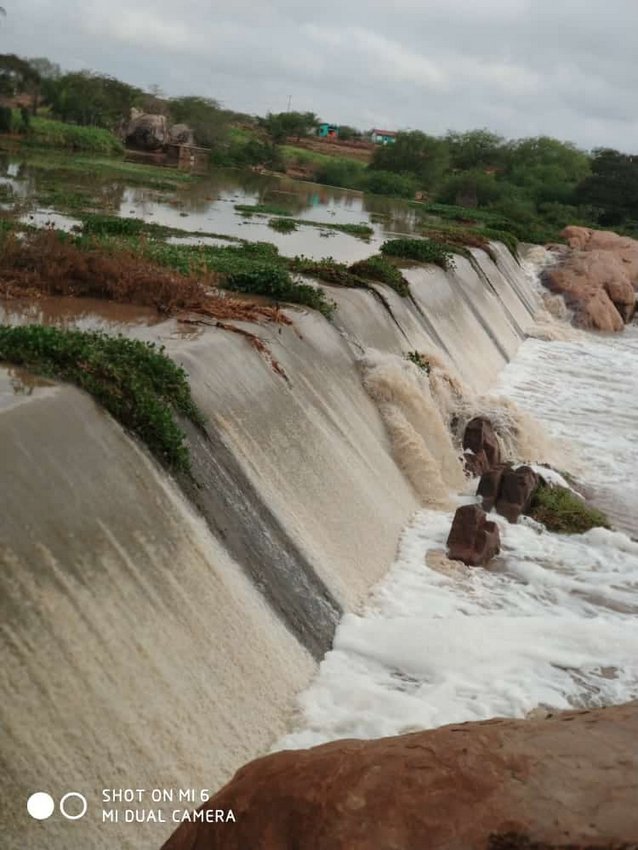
(73, 795)
(40, 805)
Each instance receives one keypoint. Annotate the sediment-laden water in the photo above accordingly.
(552, 623)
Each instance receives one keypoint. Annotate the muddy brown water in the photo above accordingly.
(207, 205)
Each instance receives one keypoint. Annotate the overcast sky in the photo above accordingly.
(566, 68)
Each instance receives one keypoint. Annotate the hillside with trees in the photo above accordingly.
(534, 185)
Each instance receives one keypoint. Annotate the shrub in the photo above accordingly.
(378, 268)
(346, 174)
(388, 183)
(562, 511)
(135, 381)
(422, 250)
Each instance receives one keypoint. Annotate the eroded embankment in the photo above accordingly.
(155, 634)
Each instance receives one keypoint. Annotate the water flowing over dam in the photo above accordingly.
(157, 631)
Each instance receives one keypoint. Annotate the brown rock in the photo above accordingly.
(516, 490)
(490, 484)
(473, 539)
(481, 447)
(598, 278)
(567, 780)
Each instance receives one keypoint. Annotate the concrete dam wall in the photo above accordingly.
(157, 630)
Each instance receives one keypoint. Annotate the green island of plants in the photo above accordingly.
(420, 250)
(562, 511)
(135, 381)
(283, 225)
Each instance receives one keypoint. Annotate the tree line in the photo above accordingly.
(534, 182)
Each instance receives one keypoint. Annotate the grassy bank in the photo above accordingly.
(46, 133)
(136, 382)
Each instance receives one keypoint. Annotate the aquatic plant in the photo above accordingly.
(419, 360)
(262, 209)
(135, 381)
(283, 225)
(118, 270)
(381, 269)
(111, 224)
(563, 511)
(277, 283)
(421, 250)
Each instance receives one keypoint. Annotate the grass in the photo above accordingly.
(48, 162)
(135, 381)
(421, 250)
(45, 133)
(564, 512)
(247, 267)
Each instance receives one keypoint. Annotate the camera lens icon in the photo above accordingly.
(41, 805)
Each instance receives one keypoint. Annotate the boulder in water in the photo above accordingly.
(473, 539)
(490, 485)
(482, 451)
(516, 490)
(563, 780)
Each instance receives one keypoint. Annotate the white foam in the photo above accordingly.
(554, 624)
(585, 393)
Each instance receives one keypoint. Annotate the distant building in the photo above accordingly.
(383, 137)
(328, 131)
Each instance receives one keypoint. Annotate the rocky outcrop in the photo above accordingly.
(598, 278)
(146, 132)
(480, 446)
(473, 539)
(565, 780)
(181, 134)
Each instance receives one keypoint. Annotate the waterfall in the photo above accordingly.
(155, 631)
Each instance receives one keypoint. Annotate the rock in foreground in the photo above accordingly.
(571, 779)
(473, 539)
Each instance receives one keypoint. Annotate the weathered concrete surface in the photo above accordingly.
(570, 779)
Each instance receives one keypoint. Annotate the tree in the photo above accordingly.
(17, 77)
(475, 149)
(472, 188)
(203, 115)
(414, 153)
(347, 133)
(282, 125)
(91, 99)
(547, 169)
(612, 187)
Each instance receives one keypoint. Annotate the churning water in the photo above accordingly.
(552, 624)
